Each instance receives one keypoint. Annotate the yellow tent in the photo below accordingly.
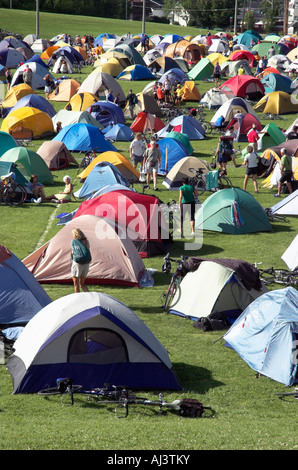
(81, 101)
(293, 54)
(113, 67)
(277, 102)
(15, 94)
(28, 123)
(65, 90)
(82, 51)
(116, 159)
(217, 57)
(191, 92)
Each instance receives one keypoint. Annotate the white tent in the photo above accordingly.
(211, 288)
(58, 63)
(94, 339)
(39, 71)
(232, 107)
(288, 205)
(290, 256)
(40, 45)
(66, 118)
(98, 83)
(214, 98)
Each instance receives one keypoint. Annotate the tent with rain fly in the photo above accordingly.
(172, 150)
(37, 77)
(242, 123)
(183, 138)
(147, 123)
(191, 92)
(287, 206)
(28, 123)
(145, 103)
(140, 214)
(122, 163)
(35, 101)
(203, 69)
(81, 101)
(270, 136)
(115, 260)
(136, 72)
(240, 55)
(265, 333)
(10, 57)
(230, 68)
(94, 339)
(67, 118)
(185, 124)
(130, 51)
(98, 83)
(119, 133)
(277, 82)
(21, 296)
(245, 86)
(181, 169)
(161, 64)
(230, 108)
(15, 93)
(6, 142)
(277, 102)
(65, 90)
(214, 98)
(186, 49)
(56, 155)
(106, 112)
(82, 137)
(232, 211)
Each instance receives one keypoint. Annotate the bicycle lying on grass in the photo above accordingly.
(11, 193)
(279, 276)
(122, 397)
(175, 280)
(274, 217)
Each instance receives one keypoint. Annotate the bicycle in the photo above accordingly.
(274, 217)
(293, 394)
(86, 160)
(273, 117)
(199, 181)
(279, 276)
(175, 280)
(171, 213)
(122, 397)
(11, 193)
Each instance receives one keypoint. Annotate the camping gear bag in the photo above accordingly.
(81, 254)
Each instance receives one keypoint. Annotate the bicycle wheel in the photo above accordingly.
(200, 186)
(14, 195)
(224, 182)
(55, 390)
(170, 295)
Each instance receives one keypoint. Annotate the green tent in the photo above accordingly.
(263, 47)
(230, 68)
(183, 138)
(6, 142)
(203, 69)
(270, 136)
(8, 167)
(29, 163)
(232, 211)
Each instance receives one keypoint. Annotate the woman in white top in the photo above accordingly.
(251, 161)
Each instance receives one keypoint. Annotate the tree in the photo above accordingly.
(249, 20)
(270, 9)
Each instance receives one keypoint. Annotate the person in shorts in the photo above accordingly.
(136, 150)
(251, 161)
(286, 172)
(79, 272)
(151, 162)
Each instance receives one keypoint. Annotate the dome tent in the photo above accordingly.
(83, 137)
(29, 163)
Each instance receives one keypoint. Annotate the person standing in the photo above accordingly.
(151, 162)
(131, 100)
(217, 74)
(286, 172)
(136, 150)
(253, 136)
(187, 204)
(81, 258)
(251, 161)
(49, 83)
(8, 76)
(110, 96)
(27, 76)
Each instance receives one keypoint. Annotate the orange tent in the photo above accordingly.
(47, 54)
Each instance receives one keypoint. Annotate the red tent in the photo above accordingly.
(147, 123)
(239, 55)
(244, 86)
(242, 123)
(139, 213)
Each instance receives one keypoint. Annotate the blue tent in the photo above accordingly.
(246, 38)
(265, 335)
(173, 75)
(106, 112)
(186, 125)
(171, 151)
(99, 40)
(35, 101)
(103, 174)
(36, 58)
(82, 137)
(136, 72)
(119, 133)
(21, 295)
(277, 82)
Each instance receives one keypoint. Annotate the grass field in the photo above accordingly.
(248, 415)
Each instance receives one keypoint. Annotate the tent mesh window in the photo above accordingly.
(97, 346)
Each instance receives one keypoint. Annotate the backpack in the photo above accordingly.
(81, 254)
(135, 99)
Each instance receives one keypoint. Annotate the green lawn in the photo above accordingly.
(248, 415)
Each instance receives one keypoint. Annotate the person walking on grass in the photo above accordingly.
(151, 162)
(187, 204)
(286, 172)
(251, 161)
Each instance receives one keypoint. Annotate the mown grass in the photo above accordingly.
(248, 415)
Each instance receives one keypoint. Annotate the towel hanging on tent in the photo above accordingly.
(236, 215)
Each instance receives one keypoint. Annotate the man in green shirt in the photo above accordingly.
(286, 172)
(187, 203)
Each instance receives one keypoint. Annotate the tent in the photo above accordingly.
(277, 102)
(28, 123)
(58, 63)
(145, 103)
(106, 112)
(146, 123)
(115, 260)
(191, 92)
(10, 57)
(56, 155)
(240, 55)
(140, 214)
(112, 66)
(119, 133)
(218, 45)
(82, 137)
(270, 136)
(98, 83)
(40, 45)
(232, 211)
(183, 138)
(203, 69)
(29, 163)
(15, 93)
(6, 142)
(172, 150)
(21, 296)
(287, 206)
(67, 118)
(244, 86)
(277, 82)
(213, 98)
(174, 75)
(8, 167)
(36, 58)
(81, 101)
(273, 155)
(94, 339)
(160, 64)
(185, 124)
(101, 175)
(136, 72)
(265, 334)
(263, 47)
(180, 170)
(215, 57)
(37, 102)
(223, 286)
(230, 68)
(122, 163)
(248, 36)
(230, 108)
(290, 256)
(47, 54)
(65, 90)
(186, 49)
(38, 75)
(242, 124)
(129, 50)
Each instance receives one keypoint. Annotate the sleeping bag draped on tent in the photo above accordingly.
(266, 333)
(94, 339)
(21, 296)
(115, 260)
